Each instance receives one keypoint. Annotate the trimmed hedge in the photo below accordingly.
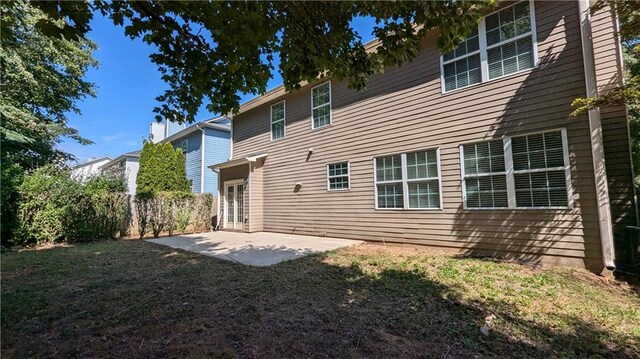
(53, 207)
(171, 211)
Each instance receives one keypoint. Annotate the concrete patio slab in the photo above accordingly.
(254, 249)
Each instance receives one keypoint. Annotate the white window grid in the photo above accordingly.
(275, 121)
(404, 181)
(510, 172)
(320, 106)
(339, 176)
(478, 176)
(483, 51)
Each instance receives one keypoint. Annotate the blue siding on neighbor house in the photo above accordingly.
(217, 149)
(193, 157)
(173, 127)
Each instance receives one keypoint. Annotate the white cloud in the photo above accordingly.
(114, 137)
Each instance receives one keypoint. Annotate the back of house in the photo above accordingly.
(473, 151)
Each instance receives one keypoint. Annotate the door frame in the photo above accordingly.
(227, 184)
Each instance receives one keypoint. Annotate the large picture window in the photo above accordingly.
(408, 180)
(503, 43)
(529, 171)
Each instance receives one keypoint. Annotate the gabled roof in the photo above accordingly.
(280, 90)
(91, 161)
(121, 157)
(210, 123)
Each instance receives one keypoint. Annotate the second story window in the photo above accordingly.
(184, 145)
(504, 43)
(462, 66)
(509, 40)
(277, 120)
(321, 105)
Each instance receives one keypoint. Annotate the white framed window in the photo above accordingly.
(504, 43)
(461, 67)
(408, 180)
(338, 176)
(526, 171)
(184, 145)
(485, 175)
(277, 115)
(321, 105)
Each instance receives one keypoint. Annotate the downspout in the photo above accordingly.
(202, 157)
(250, 190)
(597, 143)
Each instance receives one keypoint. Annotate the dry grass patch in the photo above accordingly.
(132, 298)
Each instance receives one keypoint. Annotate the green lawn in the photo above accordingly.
(136, 299)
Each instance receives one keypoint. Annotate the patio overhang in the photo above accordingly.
(237, 162)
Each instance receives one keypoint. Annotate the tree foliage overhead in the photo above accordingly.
(212, 50)
(42, 81)
(162, 169)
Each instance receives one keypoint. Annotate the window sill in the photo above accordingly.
(322, 127)
(409, 209)
(518, 209)
(278, 139)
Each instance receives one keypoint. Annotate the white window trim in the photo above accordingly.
(330, 107)
(283, 120)
(510, 173)
(484, 61)
(226, 185)
(335, 176)
(405, 182)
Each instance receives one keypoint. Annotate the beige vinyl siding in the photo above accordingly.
(607, 54)
(256, 194)
(615, 130)
(403, 110)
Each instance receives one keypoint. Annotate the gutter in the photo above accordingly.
(597, 143)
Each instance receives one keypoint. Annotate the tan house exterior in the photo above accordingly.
(494, 168)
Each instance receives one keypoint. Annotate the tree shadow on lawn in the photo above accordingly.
(134, 299)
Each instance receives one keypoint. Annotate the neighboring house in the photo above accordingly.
(89, 168)
(473, 151)
(128, 164)
(203, 144)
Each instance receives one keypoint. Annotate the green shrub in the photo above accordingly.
(162, 169)
(54, 207)
(46, 199)
(169, 211)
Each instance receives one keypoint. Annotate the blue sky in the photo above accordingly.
(118, 118)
